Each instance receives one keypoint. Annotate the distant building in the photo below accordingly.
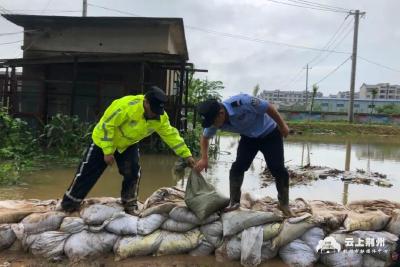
(326, 104)
(345, 95)
(383, 91)
(287, 98)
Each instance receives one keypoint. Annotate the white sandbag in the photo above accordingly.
(312, 237)
(387, 243)
(342, 259)
(132, 246)
(149, 224)
(73, 225)
(42, 222)
(179, 243)
(174, 226)
(183, 214)
(96, 214)
(86, 244)
(123, 225)
(371, 261)
(7, 236)
(213, 233)
(251, 243)
(204, 249)
(369, 221)
(298, 253)
(230, 249)
(267, 252)
(236, 221)
(48, 244)
(291, 231)
(394, 224)
(271, 230)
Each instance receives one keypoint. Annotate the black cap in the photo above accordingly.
(208, 111)
(157, 99)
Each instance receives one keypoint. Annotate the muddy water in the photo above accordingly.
(375, 154)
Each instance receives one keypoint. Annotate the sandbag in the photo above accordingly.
(96, 214)
(149, 224)
(183, 214)
(213, 233)
(298, 253)
(342, 259)
(41, 222)
(202, 198)
(394, 224)
(371, 261)
(292, 230)
(312, 237)
(205, 248)
(230, 249)
(49, 244)
(267, 252)
(7, 236)
(271, 230)
(123, 225)
(132, 246)
(163, 201)
(73, 225)
(236, 221)
(86, 244)
(251, 243)
(13, 211)
(179, 243)
(174, 226)
(370, 221)
(386, 249)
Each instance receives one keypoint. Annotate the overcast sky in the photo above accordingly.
(241, 64)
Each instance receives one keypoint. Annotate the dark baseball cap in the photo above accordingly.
(157, 100)
(208, 111)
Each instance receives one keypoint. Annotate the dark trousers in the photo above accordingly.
(92, 167)
(272, 148)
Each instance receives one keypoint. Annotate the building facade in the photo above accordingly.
(360, 105)
(382, 90)
(287, 98)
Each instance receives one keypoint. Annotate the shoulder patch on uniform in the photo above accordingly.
(255, 101)
(236, 103)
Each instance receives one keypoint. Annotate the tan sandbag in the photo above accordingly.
(132, 246)
(331, 213)
(179, 243)
(163, 201)
(271, 230)
(383, 205)
(394, 223)
(369, 221)
(13, 211)
(292, 229)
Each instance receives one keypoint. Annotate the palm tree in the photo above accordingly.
(314, 93)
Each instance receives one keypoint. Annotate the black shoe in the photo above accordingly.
(132, 210)
(232, 207)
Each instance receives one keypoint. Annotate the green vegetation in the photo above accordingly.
(342, 128)
(390, 109)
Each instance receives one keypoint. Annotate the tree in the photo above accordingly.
(256, 89)
(372, 106)
(389, 109)
(201, 90)
(314, 93)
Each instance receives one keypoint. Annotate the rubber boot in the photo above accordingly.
(283, 197)
(235, 183)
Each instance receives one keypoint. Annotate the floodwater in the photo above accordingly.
(375, 154)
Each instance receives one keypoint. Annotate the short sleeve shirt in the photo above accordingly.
(247, 116)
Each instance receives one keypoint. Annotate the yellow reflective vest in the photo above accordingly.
(123, 124)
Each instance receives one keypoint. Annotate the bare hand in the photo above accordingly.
(284, 130)
(109, 159)
(201, 165)
(191, 162)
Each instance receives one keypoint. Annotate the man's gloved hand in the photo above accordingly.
(191, 161)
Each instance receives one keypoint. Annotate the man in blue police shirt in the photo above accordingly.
(261, 129)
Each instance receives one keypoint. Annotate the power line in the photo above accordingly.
(318, 4)
(308, 7)
(46, 6)
(333, 71)
(116, 10)
(378, 64)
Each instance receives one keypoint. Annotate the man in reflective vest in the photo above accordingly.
(115, 138)
(261, 129)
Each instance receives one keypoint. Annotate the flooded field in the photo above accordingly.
(375, 154)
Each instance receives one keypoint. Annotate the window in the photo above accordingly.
(325, 104)
(340, 105)
(356, 105)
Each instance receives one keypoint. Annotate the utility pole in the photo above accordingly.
(84, 8)
(307, 68)
(356, 14)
